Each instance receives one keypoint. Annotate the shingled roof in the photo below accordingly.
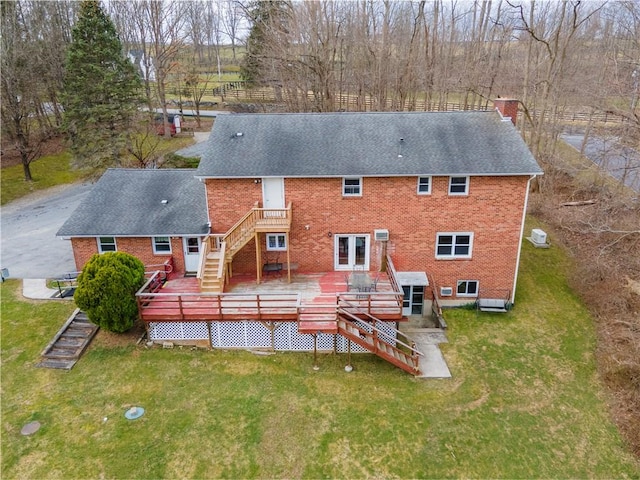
(365, 144)
(131, 203)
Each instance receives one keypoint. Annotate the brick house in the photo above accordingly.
(152, 214)
(441, 195)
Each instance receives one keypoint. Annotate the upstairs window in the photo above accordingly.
(106, 244)
(458, 185)
(352, 187)
(276, 241)
(424, 185)
(161, 245)
(454, 245)
(467, 288)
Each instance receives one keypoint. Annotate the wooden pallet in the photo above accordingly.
(69, 343)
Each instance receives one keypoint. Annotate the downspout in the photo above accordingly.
(524, 214)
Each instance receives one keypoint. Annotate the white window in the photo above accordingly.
(458, 185)
(106, 244)
(161, 245)
(424, 185)
(352, 187)
(276, 241)
(467, 288)
(454, 245)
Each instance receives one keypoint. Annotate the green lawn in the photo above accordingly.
(52, 170)
(47, 171)
(524, 402)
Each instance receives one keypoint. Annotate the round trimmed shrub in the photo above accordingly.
(106, 290)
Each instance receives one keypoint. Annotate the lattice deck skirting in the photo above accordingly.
(282, 336)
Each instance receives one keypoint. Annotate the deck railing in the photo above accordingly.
(169, 307)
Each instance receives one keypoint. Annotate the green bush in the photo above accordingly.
(106, 290)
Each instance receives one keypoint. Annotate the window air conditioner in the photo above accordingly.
(446, 291)
(538, 236)
(381, 235)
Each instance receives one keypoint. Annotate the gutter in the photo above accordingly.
(524, 214)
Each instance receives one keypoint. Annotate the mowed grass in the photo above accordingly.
(47, 171)
(524, 402)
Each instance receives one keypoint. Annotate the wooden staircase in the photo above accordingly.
(209, 280)
(69, 343)
(348, 323)
(379, 342)
(215, 262)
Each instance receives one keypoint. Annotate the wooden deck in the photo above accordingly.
(312, 299)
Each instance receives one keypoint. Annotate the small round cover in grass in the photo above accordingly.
(106, 290)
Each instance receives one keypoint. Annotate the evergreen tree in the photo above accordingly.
(101, 90)
(269, 26)
(107, 290)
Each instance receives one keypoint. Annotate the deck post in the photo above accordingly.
(210, 346)
(348, 367)
(258, 258)
(288, 258)
(315, 352)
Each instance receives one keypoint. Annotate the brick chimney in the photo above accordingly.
(507, 107)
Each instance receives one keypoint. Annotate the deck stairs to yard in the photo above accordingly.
(212, 274)
(396, 349)
(69, 343)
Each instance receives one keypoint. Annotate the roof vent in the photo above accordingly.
(164, 201)
(239, 134)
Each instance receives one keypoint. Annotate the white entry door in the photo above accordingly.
(191, 247)
(351, 251)
(273, 192)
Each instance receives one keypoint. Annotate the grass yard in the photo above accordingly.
(47, 171)
(524, 402)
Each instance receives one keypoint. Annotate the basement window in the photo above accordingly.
(467, 288)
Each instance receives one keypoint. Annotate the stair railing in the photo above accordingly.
(205, 249)
(379, 336)
(410, 346)
(221, 262)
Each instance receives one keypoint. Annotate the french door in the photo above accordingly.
(351, 252)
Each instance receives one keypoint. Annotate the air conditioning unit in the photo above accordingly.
(538, 236)
(381, 235)
(446, 291)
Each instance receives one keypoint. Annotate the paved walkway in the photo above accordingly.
(433, 364)
(36, 289)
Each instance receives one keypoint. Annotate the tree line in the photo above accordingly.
(385, 55)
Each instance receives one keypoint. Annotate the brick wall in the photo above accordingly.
(492, 211)
(139, 247)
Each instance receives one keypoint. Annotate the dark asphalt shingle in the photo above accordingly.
(365, 144)
(129, 202)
